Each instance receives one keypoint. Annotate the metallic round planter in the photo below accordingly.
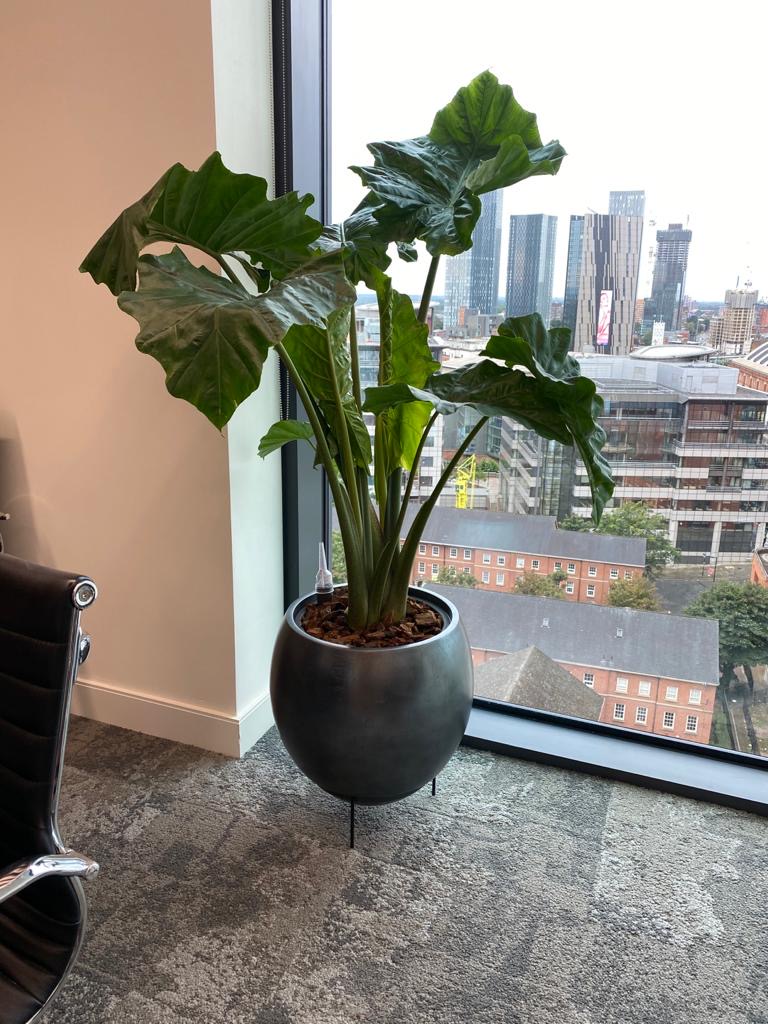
(372, 725)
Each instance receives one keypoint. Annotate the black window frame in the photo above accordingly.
(301, 90)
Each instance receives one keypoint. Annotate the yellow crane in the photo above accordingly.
(466, 476)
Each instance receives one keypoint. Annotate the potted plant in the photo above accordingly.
(373, 694)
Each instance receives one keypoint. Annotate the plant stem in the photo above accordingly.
(227, 269)
(428, 286)
(355, 359)
(343, 439)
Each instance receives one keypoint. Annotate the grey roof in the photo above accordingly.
(535, 535)
(651, 644)
(533, 680)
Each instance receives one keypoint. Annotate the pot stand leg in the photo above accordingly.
(351, 824)
(434, 785)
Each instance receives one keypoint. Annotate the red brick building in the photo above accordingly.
(759, 572)
(656, 673)
(497, 548)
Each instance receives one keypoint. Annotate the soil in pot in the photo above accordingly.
(327, 620)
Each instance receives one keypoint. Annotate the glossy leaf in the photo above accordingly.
(283, 432)
(212, 336)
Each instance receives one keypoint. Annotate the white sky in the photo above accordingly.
(667, 96)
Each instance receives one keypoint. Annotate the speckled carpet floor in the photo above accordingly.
(521, 894)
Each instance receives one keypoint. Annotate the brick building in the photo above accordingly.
(655, 672)
(759, 572)
(497, 547)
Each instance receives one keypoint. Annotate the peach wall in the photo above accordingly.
(102, 471)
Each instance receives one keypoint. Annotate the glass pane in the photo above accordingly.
(653, 253)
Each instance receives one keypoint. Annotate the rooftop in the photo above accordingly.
(533, 680)
(646, 643)
(535, 535)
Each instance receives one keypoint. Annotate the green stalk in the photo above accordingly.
(345, 447)
(355, 359)
(396, 605)
(357, 611)
(428, 286)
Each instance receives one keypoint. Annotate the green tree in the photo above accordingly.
(536, 585)
(633, 519)
(742, 611)
(451, 578)
(338, 561)
(636, 593)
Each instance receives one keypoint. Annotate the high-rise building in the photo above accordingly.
(731, 332)
(610, 264)
(668, 287)
(627, 204)
(573, 271)
(486, 255)
(531, 264)
(456, 297)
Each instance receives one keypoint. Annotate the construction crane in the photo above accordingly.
(466, 475)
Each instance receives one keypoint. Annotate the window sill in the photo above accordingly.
(675, 766)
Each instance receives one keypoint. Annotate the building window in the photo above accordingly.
(669, 720)
(694, 697)
(486, 577)
(670, 693)
(691, 723)
(501, 560)
(465, 570)
(614, 574)
(535, 563)
(453, 552)
(467, 554)
(435, 549)
(620, 632)
(569, 588)
(422, 549)
(644, 688)
(618, 712)
(592, 570)
(571, 567)
(589, 678)
(435, 570)
(422, 568)
(499, 579)
(641, 716)
(591, 590)
(486, 559)
(627, 574)
(519, 563)
(558, 566)
(622, 684)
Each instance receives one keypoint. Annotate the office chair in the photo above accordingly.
(42, 904)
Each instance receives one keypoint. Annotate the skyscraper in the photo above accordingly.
(668, 287)
(486, 253)
(610, 264)
(573, 271)
(457, 270)
(731, 332)
(627, 204)
(531, 264)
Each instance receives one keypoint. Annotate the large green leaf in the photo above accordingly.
(428, 187)
(283, 432)
(211, 209)
(550, 396)
(361, 241)
(212, 336)
(321, 356)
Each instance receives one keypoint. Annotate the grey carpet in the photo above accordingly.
(521, 894)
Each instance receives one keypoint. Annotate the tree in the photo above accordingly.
(451, 578)
(338, 562)
(633, 519)
(742, 611)
(635, 593)
(535, 585)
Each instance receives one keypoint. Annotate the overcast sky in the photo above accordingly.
(664, 96)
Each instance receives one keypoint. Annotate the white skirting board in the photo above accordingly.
(172, 720)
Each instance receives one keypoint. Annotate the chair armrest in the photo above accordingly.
(24, 872)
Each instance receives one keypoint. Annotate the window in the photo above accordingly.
(535, 563)
(569, 588)
(519, 563)
(641, 715)
(669, 720)
(486, 559)
(589, 678)
(670, 693)
(499, 579)
(644, 688)
(694, 697)
(501, 560)
(592, 570)
(614, 574)
(558, 566)
(435, 570)
(622, 684)
(486, 576)
(422, 549)
(619, 632)
(691, 723)
(453, 552)
(435, 549)
(466, 570)
(422, 568)
(591, 590)
(627, 574)
(571, 567)
(467, 554)
(618, 712)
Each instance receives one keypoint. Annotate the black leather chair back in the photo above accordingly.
(41, 927)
